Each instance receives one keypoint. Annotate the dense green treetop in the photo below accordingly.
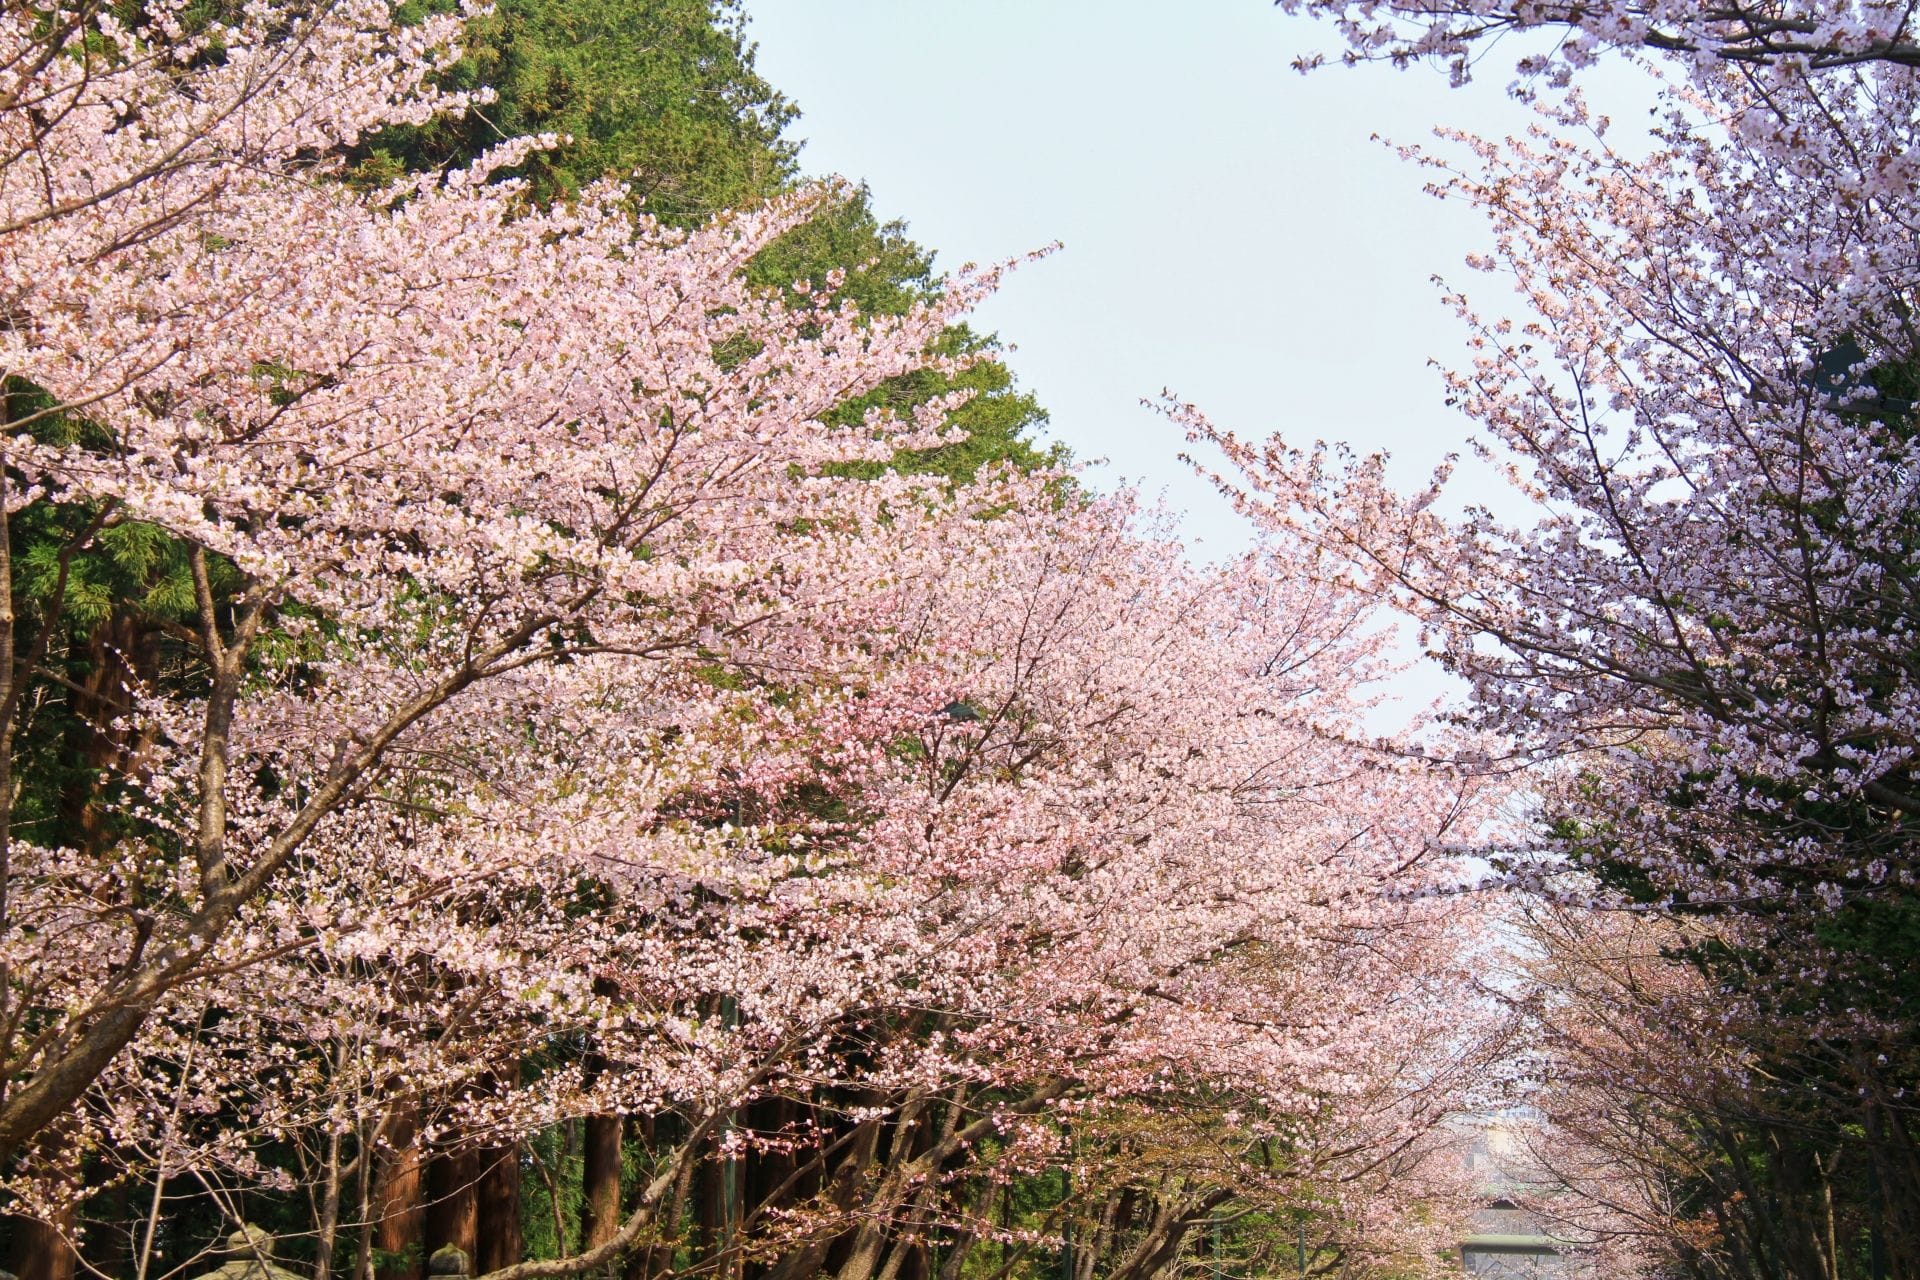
(664, 95)
(660, 93)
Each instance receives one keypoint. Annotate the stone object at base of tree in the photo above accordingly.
(250, 1257)
(449, 1261)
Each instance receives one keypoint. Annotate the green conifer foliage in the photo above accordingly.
(664, 96)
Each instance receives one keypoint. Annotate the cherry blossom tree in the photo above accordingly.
(349, 409)
(1695, 406)
(1065, 842)
(551, 727)
(1640, 1153)
(1708, 37)
(1702, 629)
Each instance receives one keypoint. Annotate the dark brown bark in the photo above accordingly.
(656, 1259)
(111, 1215)
(1091, 1257)
(498, 1205)
(665, 1191)
(767, 1168)
(600, 1180)
(453, 1199)
(399, 1200)
(40, 1250)
(960, 1244)
(709, 1206)
(600, 1173)
(838, 1187)
(914, 1260)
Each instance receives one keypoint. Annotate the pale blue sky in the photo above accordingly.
(1231, 231)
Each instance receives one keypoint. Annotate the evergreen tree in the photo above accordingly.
(664, 95)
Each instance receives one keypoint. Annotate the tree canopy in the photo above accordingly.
(583, 737)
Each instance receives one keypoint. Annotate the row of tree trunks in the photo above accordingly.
(120, 655)
(879, 1179)
(461, 1193)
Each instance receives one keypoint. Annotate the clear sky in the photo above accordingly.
(1232, 232)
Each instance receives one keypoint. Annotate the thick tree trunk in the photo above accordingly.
(766, 1169)
(961, 1244)
(1090, 1257)
(498, 1203)
(399, 1207)
(453, 1198)
(600, 1180)
(906, 1256)
(40, 1250)
(709, 1206)
(650, 1136)
(600, 1172)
